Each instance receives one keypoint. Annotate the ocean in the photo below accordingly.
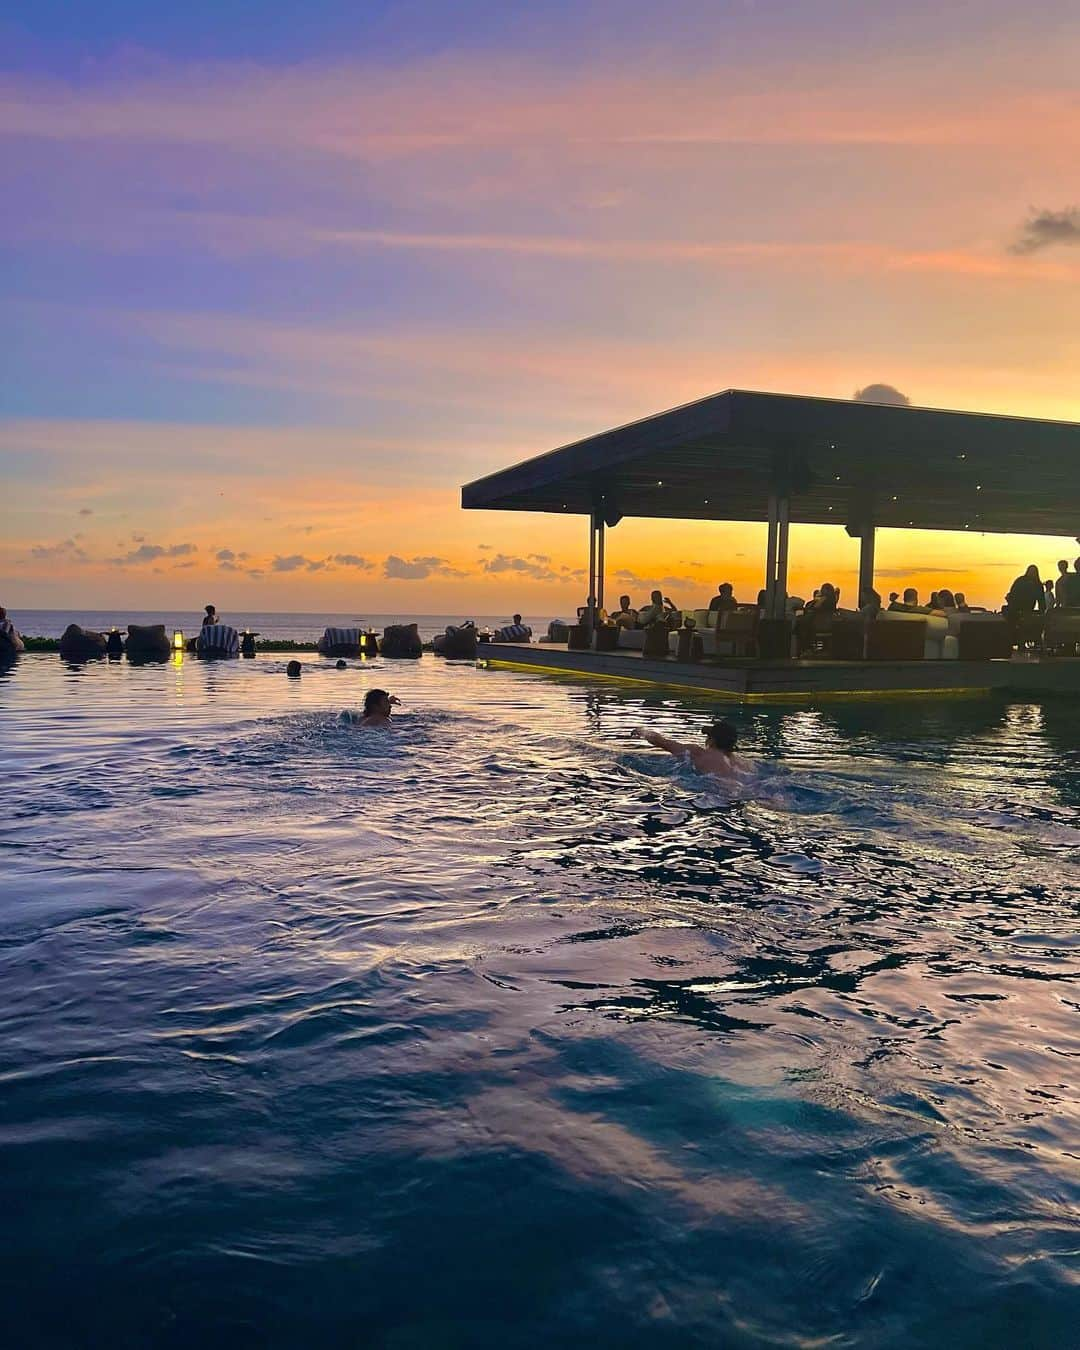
(296, 627)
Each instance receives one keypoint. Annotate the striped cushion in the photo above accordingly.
(219, 637)
(515, 632)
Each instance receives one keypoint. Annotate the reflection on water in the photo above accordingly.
(500, 1029)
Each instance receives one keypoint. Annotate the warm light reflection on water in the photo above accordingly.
(500, 1030)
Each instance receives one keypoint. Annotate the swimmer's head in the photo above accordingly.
(293, 670)
(721, 736)
(378, 703)
(341, 665)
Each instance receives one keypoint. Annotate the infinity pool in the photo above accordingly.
(501, 1029)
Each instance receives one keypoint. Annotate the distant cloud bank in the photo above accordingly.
(1047, 229)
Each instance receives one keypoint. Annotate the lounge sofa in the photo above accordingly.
(1062, 631)
(938, 643)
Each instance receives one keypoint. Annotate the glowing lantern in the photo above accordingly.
(178, 641)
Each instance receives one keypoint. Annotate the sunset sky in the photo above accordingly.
(278, 279)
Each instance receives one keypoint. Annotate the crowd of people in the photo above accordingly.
(1028, 594)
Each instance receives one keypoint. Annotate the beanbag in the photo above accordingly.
(402, 640)
(82, 644)
(457, 644)
(147, 642)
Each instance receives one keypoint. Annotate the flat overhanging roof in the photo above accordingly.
(839, 461)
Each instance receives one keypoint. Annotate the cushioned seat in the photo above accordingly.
(934, 634)
(631, 639)
(1062, 632)
(981, 637)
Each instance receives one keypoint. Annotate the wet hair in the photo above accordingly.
(341, 665)
(371, 698)
(293, 669)
(722, 735)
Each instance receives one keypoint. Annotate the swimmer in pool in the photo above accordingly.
(716, 756)
(378, 706)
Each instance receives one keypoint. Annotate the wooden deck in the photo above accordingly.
(750, 680)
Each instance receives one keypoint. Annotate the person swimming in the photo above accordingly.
(716, 756)
(378, 707)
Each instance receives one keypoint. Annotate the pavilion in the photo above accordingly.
(748, 456)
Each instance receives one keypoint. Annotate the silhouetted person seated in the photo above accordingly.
(910, 603)
(1026, 594)
(625, 616)
(816, 616)
(659, 610)
(961, 603)
(1024, 606)
(515, 631)
(210, 617)
(824, 601)
(724, 602)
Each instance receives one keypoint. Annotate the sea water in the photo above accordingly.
(500, 1028)
(270, 626)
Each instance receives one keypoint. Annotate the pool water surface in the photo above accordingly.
(500, 1028)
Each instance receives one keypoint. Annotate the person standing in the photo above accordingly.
(210, 618)
(1071, 590)
(1061, 585)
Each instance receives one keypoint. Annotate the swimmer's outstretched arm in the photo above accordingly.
(662, 742)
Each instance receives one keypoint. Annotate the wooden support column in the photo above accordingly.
(590, 614)
(770, 557)
(601, 533)
(782, 528)
(866, 560)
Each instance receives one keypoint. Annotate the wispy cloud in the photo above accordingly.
(351, 560)
(68, 550)
(536, 566)
(1047, 229)
(295, 562)
(418, 569)
(151, 553)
